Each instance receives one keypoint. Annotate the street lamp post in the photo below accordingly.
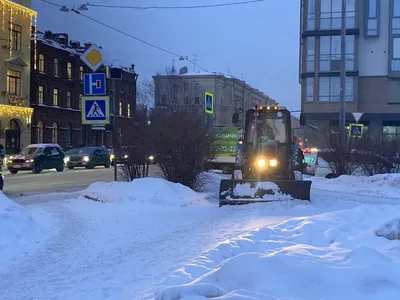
(342, 112)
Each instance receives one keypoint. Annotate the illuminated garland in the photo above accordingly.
(16, 9)
(8, 111)
(35, 42)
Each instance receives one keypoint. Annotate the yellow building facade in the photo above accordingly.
(16, 21)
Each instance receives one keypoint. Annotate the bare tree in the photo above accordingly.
(145, 93)
(183, 146)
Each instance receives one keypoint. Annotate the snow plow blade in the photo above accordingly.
(237, 192)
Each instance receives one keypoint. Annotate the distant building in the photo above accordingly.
(15, 60)
(186, 91)
(372, 62)
(57, 89)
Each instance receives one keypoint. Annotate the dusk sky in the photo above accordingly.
(258, 42)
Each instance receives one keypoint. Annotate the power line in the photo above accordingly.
(176, 7)
(127, 34)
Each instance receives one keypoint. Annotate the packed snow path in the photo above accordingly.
(124, 250)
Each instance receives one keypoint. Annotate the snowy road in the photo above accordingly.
(125, 249)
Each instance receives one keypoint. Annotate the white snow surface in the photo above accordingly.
(382, 185)
(334, 255)
(130, 243)
(17, 228)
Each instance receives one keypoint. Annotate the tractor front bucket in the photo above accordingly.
(236, 192)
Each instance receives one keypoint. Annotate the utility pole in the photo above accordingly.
(114, 127)
(342, 113)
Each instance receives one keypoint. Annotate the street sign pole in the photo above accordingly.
(114, 127)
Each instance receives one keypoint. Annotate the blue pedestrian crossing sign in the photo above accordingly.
(209, 103)
(96, 110)
(94, 84)
(356, 130)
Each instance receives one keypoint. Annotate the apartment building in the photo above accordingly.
(185, 90)
(57, 89)
(372, 60)
(16, 18)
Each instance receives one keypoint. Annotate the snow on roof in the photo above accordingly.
(108, 60)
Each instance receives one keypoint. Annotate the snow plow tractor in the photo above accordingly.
(265, 168)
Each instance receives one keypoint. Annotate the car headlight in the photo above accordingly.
(66, 159)
(86, 158)
(112, 156)
(30, 160)
(273, 162)
(9, 161)
(151, 157)
(126, 156)
(261, 163)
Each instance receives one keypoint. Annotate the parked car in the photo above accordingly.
(88, 157)
(37, 157)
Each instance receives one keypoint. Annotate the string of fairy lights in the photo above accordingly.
(16, 11)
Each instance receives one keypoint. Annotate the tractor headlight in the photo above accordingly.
(261, 163)
(273, 162)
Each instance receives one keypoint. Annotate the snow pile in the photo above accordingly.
(154, 191)
(390, 230)
(17, 228)
(335, 255)
(382, 185)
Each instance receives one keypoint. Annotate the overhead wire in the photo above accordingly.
(129, 35)
(176, 7)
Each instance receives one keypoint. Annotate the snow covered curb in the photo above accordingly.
(17, 229)
(383, 185)
(153, 191)
(335, 255)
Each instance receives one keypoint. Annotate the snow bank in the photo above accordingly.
(154, 191)
(17, 228)
(382, 185)
(335, 255)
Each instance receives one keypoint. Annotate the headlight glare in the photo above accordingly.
(273, 162)
(261, 163)
(86, 158)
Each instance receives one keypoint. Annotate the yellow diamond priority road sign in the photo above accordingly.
(92, 57)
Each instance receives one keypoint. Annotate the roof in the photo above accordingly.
(42, 145)
(108, 60)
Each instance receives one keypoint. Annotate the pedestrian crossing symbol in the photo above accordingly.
(95, 110)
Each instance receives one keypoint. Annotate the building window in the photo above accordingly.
(174, 100)
(197, 86)
(163, 100)
(81, 73)
(186, 100)
(197, 100)
(120, 109)
(56, 67)
(311, 15)
(329, 89)
(310, 89)
(330, 56)
(55, 97)
(54, 133)
(391, 133)
(39, 132)
(40, 94)
(186, 87)
(69, 96)
(128, 110)
(69, 70)
(331, 11)
(310, 54)
(68, 136)
(372, 18)
(13, 82)
(15, 36)
(41, 63)
(80, 101)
